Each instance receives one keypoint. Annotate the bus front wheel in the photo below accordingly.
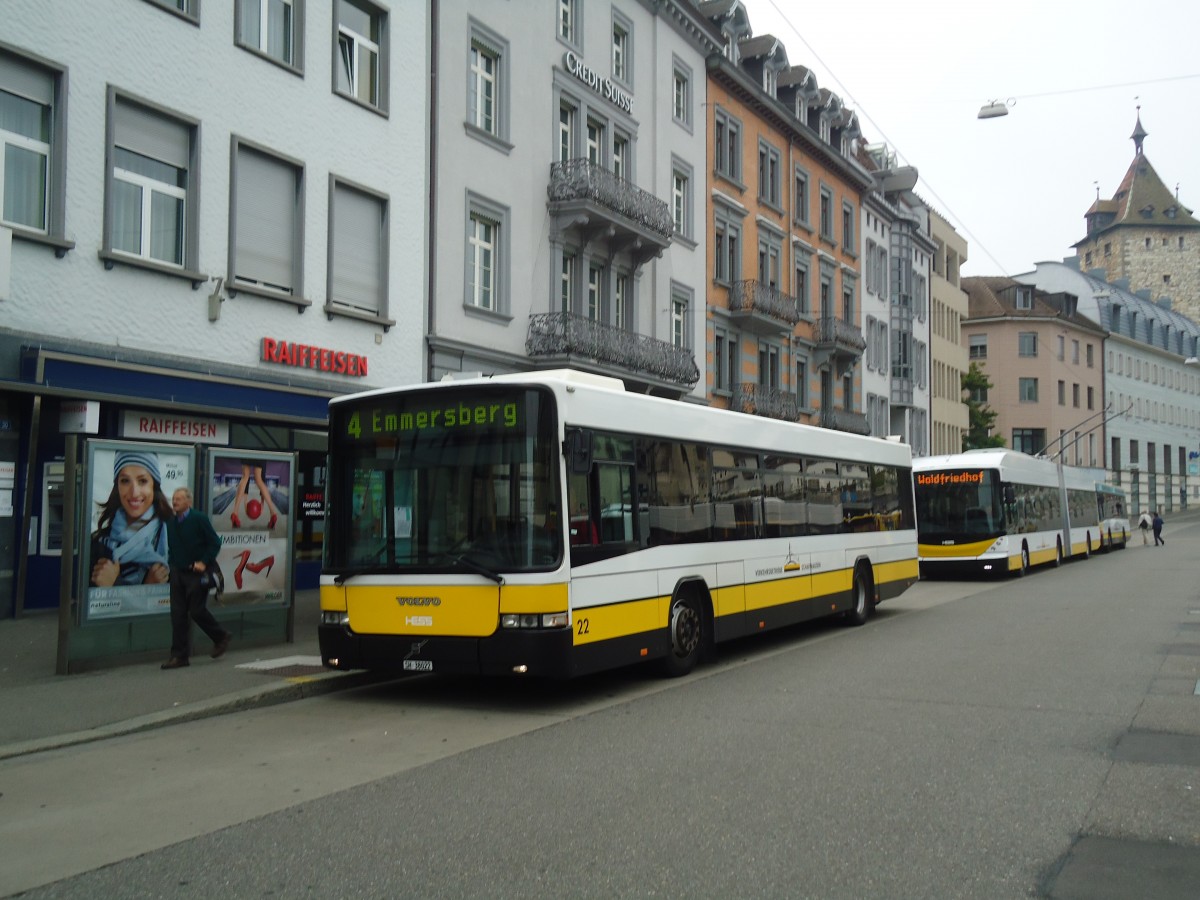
(1024, 570)
(1058, 556)
(686, 629)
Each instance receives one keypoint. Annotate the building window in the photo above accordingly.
(800, 212)
(802, 383)
(681, 93)
(358, 254)
(362, 53)
(566, 133)
(768, 174)
(151, 201)
(620, 156)
(1027, 343)
(727, 251)
(724, 360)
(622, 49)
(620, 302)
(679, 318)
(567, 289)
(487, 256)
(770, 251)
(768, 365)
(595, 141)
(1075, 395)
(1027, 390)
(977, 346)
(1024, 298)
(274, 29)
(1029, 440)
(568, 21)
(1062, 393)
(680, 203)
(826, 223)
(1075, 352)
(487, 83)
(727, 146)
(848, 227)
(595, 288)
(185, 9)
(32, 152)
(800, 286)
(1091, 398)
(267, 206)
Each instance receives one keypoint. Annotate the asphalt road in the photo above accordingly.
(1035, 737)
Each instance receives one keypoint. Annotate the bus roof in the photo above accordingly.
(1013, 465)
(599, 402)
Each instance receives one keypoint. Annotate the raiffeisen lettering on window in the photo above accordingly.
(462, 415)
(935, 478)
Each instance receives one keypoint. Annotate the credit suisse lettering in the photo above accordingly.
(306, 356)
(597, 82)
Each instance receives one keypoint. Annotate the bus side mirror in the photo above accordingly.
(1010, 494)
(578, 450)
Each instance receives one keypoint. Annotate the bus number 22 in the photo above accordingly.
(583, 625)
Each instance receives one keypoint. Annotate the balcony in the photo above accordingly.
(844, 420)
(762, 309)
(838, 343)
(572, 338)
(761, 400)
(599, 205)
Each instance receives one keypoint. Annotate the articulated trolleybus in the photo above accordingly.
(553, 524)
(1002, 511)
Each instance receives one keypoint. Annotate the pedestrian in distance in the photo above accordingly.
(1144, 523)
(193, 545)
(1157, 524)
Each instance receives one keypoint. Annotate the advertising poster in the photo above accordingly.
(127, 502)
(250, 503)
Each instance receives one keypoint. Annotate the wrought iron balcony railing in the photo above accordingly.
(761, 400)
(840, 333)
(756, 297)
(582, 179)
(562, 334)
(844, 420)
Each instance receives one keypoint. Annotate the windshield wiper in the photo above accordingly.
(342, 577)
(478, 568)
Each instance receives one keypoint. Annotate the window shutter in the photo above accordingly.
(31, 82)
(155, 136)
(266, 220)
(357, 250)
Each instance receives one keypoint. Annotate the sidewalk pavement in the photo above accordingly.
(40, 710)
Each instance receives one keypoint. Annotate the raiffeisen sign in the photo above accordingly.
(597, 82)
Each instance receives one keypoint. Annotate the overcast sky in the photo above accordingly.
(1015, 187)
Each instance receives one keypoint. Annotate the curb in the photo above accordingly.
(297, 688)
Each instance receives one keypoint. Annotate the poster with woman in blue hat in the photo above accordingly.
(130, 491)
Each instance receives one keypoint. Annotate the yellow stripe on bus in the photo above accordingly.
(901, 570)
(601, 623)
(944, 551)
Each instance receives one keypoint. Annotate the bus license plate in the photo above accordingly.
(418, 665)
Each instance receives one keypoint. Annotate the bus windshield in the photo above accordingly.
(444, 481)
(958, 505)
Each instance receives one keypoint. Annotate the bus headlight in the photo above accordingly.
(534, 620)
(335, 617)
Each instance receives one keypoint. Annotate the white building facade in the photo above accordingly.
(209, 210)
(568, 196)
(1152, 393)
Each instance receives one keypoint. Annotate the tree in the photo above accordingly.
(981, 417)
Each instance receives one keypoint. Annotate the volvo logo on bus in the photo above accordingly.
(419, 601)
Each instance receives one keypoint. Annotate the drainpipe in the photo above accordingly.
(431, 169)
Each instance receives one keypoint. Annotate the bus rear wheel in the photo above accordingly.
(685, 626)
(861, 595)
(1058, 556)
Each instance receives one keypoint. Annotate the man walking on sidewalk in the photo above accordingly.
(1144, 524)
(1157, 524)
(192, 547)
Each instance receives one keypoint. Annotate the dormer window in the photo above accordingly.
(825, 128)
(769, 79)
(1024, 298)
(1146, 211)
(1171, 211)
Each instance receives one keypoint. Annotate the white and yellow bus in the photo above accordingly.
(1114, 516)
(1000, 511)
(554, 524)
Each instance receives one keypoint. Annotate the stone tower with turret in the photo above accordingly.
(1144, 236)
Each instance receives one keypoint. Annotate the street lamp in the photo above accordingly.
(995, 109)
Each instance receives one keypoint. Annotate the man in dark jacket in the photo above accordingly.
(192, 547)
(1157, 525)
